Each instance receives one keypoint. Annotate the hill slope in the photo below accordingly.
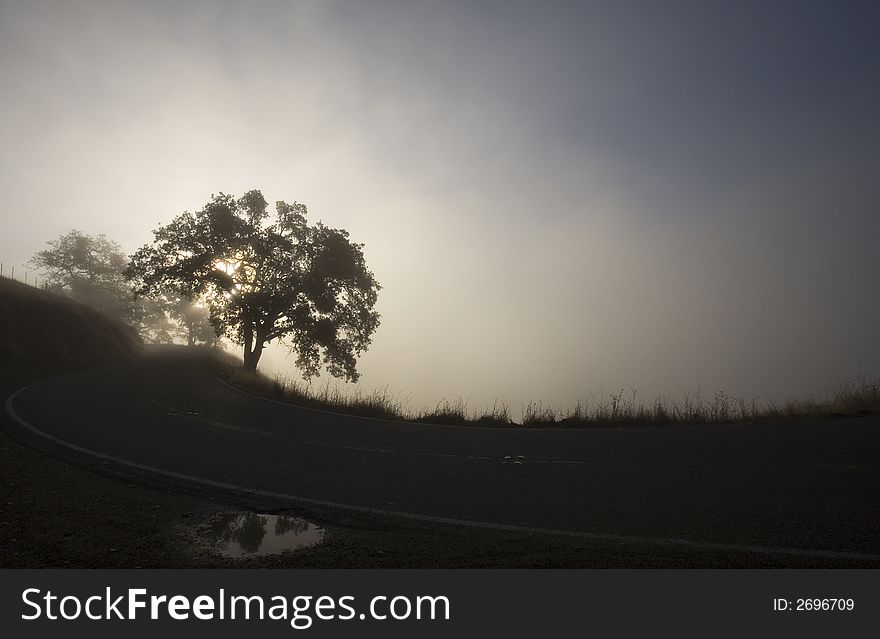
(43, 333)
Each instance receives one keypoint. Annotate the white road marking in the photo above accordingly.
(435, 519)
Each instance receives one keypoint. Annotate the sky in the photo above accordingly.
(559, 199)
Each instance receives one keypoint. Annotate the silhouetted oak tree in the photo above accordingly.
(305, 285)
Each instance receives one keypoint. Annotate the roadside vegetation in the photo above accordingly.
(97, 306)
(90, 269)
(845, 399)
(42, 333)
(848, 399)
(379, 403)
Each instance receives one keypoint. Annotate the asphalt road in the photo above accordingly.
(802, 486)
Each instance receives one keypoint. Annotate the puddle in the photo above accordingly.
(253, 534)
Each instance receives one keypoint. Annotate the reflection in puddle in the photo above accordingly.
(246, 534)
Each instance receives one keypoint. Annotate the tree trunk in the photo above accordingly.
(248, 335)
(253, 348)
(190, 335)
(253, 358)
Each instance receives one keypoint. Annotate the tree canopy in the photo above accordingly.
(267, 278)
(89, 269)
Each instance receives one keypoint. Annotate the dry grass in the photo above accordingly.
(536, 414)
(379, 403)
(858, 398)
(457, 411)
(847, 399)
(43, 333)
(447, 411)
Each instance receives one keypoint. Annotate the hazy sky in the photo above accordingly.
(556, 197)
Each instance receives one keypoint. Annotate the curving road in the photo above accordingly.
(797, 487)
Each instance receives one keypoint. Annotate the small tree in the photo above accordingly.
(154, 324)
(194, 321)
(304, 285)
(91, 270)
(166, 319)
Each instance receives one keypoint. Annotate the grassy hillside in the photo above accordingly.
(43, 333)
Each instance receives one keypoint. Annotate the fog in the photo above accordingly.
(557, 199)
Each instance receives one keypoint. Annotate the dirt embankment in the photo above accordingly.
(42, 333)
